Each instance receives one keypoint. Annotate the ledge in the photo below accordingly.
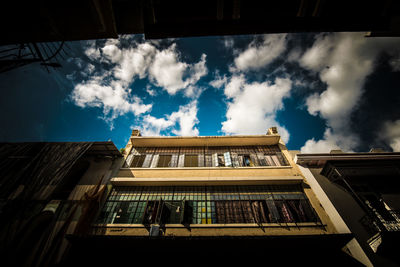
(255, 180)
(208, 168)
(243, 140)
(233, 225)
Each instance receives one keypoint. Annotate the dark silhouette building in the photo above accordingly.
(364, 188)
(48, 190)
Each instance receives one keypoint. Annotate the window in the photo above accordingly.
(164, 161)
(138, 161)
(207, 205)
(208, 160)
(221, 160)
(234, 156)
(191, 161)
(247, 161)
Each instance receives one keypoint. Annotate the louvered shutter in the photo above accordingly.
(147, 161)
(128, 161)
(174, 160)
(181, 162)
(200, 158)
(228, 161)
(270, 162)
(261, 159)
(215, 160)
(276, 160)
(154, 161)
(254, 160)
(235, 160)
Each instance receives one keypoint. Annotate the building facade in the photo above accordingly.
(364, 191)
(212, 195)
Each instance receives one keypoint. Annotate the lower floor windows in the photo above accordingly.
(207, 205)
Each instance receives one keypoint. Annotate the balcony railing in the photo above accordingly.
(378, 223)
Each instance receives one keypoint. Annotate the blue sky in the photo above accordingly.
(323, 91)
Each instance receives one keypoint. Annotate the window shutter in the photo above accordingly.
(154, 161)
(261, 159)
(181, 162)
(240, 160)
(276, 160)
(253, 158)
(147, 161)
(228, 161)
(273, 211)
(209, 162)
(174, 160)
(282, 159)
(200, 160)
(128, 161)
(270, 162)
(235, 160)
(215, 159)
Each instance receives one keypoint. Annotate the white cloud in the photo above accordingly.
(257, 56)
(113, 98)
(253, 106)
(391, 134)
(168, 72)
(219, 80)
(182, 122)
(150, 91)
(395, 63)
(92, 51)
(111, 91)
(330, 142)
(343, 61)
(134, 61)
(186, 117)
(111, 50)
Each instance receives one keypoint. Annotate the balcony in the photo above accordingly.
(376, 224)
(384, 231)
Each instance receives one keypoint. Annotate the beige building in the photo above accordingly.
(213, 194)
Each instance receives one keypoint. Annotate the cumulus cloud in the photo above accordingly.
(252, 107)
(391, 134)
(330, 142)
(168, 72)
(219, 81)
(395, 63)
(92, 51)
(343, 61)
(113, 98)
(256, 56)
(110, 87)
(182, 122)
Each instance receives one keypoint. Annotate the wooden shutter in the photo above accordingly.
(174, 160)
(154, 161)
(276, 160)
(261, 159)
(254, 160)
(147, 161)
(200, 158)
(128, 161)
(181, 162)
(228, 161)
(270, 162)
(235, 160)
(240, 160)
(215, 160)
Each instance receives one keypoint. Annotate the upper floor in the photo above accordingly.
(207, 151)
